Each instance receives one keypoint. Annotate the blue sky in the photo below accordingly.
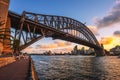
(86, 11)
(82, 10)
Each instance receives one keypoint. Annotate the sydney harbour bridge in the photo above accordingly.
(30, 27)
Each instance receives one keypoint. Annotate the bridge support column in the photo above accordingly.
(4, 5)
(100, 52)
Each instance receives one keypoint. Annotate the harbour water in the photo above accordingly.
(77, 67)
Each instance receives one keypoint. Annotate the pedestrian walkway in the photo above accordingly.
(15, 71)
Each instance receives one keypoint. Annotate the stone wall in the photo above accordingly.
(4, 5)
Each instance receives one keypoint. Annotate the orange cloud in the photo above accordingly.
(46, 46)
(62, 43)
(56, 44)
(110, 42)
(29, 49)
(106, 40)
(93, 29)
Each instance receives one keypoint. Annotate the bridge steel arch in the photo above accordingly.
(31, 27)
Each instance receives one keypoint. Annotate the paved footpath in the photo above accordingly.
(15, 71)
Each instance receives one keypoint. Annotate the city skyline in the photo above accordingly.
(102, 17)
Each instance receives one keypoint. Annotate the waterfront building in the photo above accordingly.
(115, 50)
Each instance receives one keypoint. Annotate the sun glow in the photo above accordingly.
(110, 42)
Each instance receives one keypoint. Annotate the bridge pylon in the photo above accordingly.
(100, 51)
(4, 23)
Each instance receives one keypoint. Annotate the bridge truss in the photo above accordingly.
(31, 27)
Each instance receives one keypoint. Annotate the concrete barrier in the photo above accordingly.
(32, 74)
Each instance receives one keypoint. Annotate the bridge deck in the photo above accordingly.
(15, 71)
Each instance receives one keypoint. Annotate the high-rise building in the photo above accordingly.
(75, 50)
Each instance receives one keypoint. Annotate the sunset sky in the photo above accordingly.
(101, 16)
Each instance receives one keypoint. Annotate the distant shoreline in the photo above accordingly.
(69, 55)
(61, 55)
